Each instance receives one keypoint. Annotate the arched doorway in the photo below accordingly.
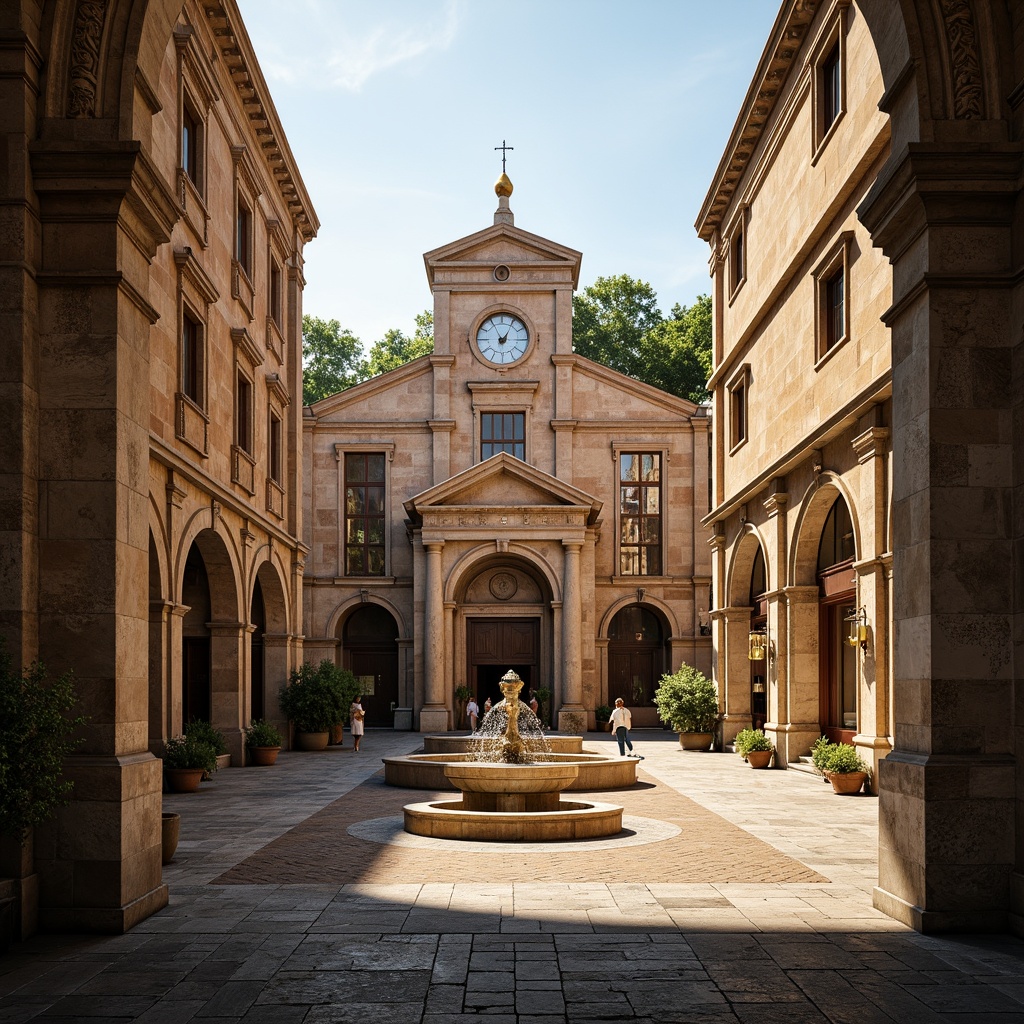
(636, 655)
(838, 679)
(257, 677)
(370, 652)
(195, 639)
(758, 601)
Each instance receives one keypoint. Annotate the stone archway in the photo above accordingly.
(503, 621)
(269, 639)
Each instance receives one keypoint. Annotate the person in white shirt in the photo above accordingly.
(473, 712)
(622, 721)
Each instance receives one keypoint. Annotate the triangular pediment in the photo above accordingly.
(503, 482)
(503, 243)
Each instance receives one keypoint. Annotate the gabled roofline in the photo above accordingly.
(366, 388)
(449, 253)
(498, 464)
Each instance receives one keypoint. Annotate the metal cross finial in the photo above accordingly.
(503, 148)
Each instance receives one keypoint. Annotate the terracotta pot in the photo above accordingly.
(311, 740)
(263, 755)
(183, 780)
(696, 740)
(760, 758)
(338, 734)
(847, 783)
(169, 829)
(605, 726)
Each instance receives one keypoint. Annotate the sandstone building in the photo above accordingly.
(866, 256)
(151, 280)
(504, 503)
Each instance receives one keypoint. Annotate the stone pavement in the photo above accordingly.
(691, 918)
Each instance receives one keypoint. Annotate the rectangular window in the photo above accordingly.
(831, 88)
(192, 358)
(738, 413)
(739, 260)
(364, 513)
(274, 299)
(835, 309)
(243, 414)
(503, 432)
(640, 513)
(191, 144)
(243, 238)
(274, 449)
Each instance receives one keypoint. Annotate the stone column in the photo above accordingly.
(228, 684)
(731, 633)
(159, 672)
(276, 672)
(434, 715)
(948, 807)
(794, 701)
(572, 642)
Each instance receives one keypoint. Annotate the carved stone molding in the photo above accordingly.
(968, 99)
(83, 75)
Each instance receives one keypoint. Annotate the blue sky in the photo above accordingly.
(618, 111)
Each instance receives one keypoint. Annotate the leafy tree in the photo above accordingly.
(610, 320)
(332, 359)
(396, 348)
(616, 321)
(678, 351)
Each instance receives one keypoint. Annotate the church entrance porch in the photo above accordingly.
(496, 645)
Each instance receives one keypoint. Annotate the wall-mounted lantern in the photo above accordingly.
(758, 649)
(858, 636)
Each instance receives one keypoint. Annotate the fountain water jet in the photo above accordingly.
(511, 798)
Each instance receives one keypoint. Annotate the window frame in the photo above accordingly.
(640, 451)
(507, 396)
(342, 449)
(196, 94)
(348, 482)
(244, 411)
(502, 444)
(737, 255)
(835, 264)
(737, 389)
(831, 41)
(196, 393)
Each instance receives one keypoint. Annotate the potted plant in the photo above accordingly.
(313, 701)
(819, 751)
(543, 695)
(845, 769)
(36, 729)
(263, 742)
(688, 701)
(187, 761)
(754, 747)
(603, 714)
(206, 733)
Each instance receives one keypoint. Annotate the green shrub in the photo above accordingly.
(841, 759)
(189, 751)
(319, 696)
(35, 737)
(748, 740)
(819, 751)
(262, 734)
(602, 713)
(207, 734)
(687, 700)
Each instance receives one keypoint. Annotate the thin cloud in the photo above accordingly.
(388, 45)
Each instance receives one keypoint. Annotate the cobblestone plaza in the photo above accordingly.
(735, 895)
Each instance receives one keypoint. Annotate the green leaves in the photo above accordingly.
(35, 737)
(332, 359)
(616, 321)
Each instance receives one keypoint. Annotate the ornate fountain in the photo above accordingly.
(511, 797)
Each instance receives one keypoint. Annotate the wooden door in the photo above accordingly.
(377, 669)
(494, 647)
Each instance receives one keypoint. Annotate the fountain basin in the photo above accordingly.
(594, 771)
(442, 743)
(572, 820)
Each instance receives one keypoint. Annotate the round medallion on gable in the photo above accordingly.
(502, 273)
(503, 586)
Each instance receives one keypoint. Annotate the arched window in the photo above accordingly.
(838, 669)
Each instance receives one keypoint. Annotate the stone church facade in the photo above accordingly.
(505, 503)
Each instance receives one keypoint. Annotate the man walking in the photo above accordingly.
(622, 721)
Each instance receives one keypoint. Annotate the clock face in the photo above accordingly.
(502, 338)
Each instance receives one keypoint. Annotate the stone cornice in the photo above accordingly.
(788, 35)
(237, 52)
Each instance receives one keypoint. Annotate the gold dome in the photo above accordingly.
(503, 186)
